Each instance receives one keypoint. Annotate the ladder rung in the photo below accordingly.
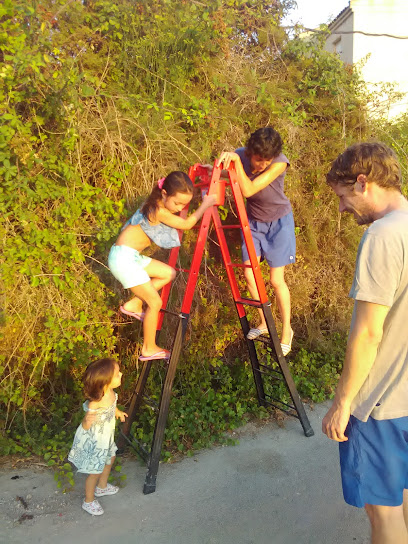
(289, 413)
(266, 341)
(164, 310)
(270, 370)
(151, 403)
(278, 378)
(182, 269)
(239, 265)
(249, 302)
(140, 449)
(226, 227)
(290, 406)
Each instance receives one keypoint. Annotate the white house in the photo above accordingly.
(371, 33)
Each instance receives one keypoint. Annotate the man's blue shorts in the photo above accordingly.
(274, 241)
(374, 461)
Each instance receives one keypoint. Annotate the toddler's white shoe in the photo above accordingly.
(93, 508)
(108, 490)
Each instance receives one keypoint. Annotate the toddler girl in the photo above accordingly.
(154, 221)
(93, 450)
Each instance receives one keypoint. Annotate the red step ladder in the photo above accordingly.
(279, 371)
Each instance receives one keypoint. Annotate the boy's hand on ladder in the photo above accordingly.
(227, 157)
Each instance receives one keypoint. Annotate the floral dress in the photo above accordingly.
(94, 448)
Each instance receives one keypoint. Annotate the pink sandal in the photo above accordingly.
(140, 316)
(162, 354)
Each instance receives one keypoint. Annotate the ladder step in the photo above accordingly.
(165, 311)
(267, 341)
(226, 227)
(271, 370)
(269, 374)
(290, 406)
(182, 270)
(151, 403)
(137, 446)
(249, 302)
(289, 413)
(239, 265)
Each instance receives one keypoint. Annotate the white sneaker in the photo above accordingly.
(93, 508)
(286, 348)
(254, 333)
(108, 490)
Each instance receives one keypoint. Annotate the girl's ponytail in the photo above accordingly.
(175, 182)
(149, 208)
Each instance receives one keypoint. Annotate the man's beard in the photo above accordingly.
(364, 217)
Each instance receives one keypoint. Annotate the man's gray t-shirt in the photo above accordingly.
(381, 277)
(271, 203)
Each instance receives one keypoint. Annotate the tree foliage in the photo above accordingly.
(98, 100)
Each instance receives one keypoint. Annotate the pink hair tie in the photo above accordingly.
(160, 183)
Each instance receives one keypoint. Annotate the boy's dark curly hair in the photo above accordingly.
(264, 142)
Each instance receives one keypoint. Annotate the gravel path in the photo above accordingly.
(275, 487)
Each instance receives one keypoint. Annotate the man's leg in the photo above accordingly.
(374, 470)
(277, 276)
(387, 524)
(405, 507)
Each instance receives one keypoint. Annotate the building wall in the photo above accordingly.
(342, 44)
(383, 59)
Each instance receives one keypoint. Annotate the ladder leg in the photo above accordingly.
(254, 362)
(283, 365)
(158, 436)
(137, 398)
(265, 306)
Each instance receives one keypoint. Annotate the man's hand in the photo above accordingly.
(335, 422)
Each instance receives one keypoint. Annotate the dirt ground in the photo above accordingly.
(275, 487)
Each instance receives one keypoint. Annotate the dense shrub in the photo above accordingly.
(97, 100)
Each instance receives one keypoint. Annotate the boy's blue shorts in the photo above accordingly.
(274, 241)
(374, 461)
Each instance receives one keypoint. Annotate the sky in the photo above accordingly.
(312, 13)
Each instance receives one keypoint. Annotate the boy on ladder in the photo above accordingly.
(261, 169)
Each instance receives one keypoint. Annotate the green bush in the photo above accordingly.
(98, 100)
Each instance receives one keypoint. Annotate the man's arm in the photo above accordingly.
(365, 336)
(247, 186)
